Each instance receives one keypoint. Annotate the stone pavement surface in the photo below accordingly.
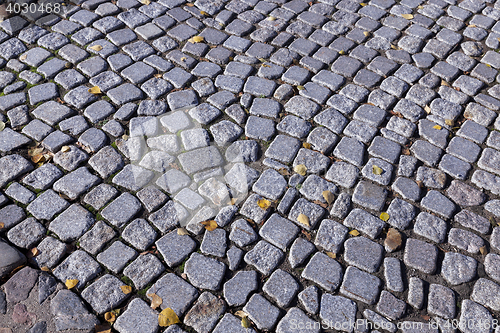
(379, 121)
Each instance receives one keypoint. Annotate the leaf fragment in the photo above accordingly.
(284, 172)
(366, 33)
(34, 252)
(331, 255)
(65, 149)
(183, 59)
(301, 88)
(71, 283)
(241, 314)
(377, 170)
(2, 225)
(39, 158)
(300, 169)
(96, 48)
(407, 16)
(444, 83)
(23, 57)
(210, 225)
(126, 289)
(110, 317)
(45, 269)
(271, 18)
(2, 125)
(449, 122)
(182, 232)
(167, 318)
(196, 39)
(263, 203)
(306, 145)
(303, 219)
(329, 197)
(354, 232)
(384, 216)
(95, 90)
(363, 4)
(341, 52)
(145, 2)
(437, 127)
(245, 323)
(427, 109)
(155, 300)
(204, 13)
(393, 239)
(483, 250)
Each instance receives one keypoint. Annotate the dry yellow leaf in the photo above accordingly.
(241, 314)
(306, 145)
(301, 88)
(437, 127)
(407, 16)
(420, 7)
(265, 65)
(155, 301)
(38, 158)
(2, 225)
(483, 250)
(190, 4)
(444, 83)
(331, 255)
(498, 39)
(300, 169)
(34, 252)
(2, 125)
(204, 13)
(182, 232)
(196, 39)
(145, 2)
(263, 203)
(271, 18)
(394, 47)
(366, 33)
(23, 57)
(303, 219)
(245, 323)
(341, 52)
(354, 232)
(95, 90)
(35, 151)
(427, 109)
(284, 172)
(472, 25)
(363, 4)
(377, 170)
(234, 201)
(449, 122)
(210, 225)
(110, 317)
(167, 317)
(488, 65)
(328, 197)
(262, 60)
(45, 269)
(65, 149)
(70, 283)
(384, 216)
(126, 289)
(125, 137)
(96, 48)
(184, 59)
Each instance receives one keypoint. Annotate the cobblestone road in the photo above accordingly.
(349, 153)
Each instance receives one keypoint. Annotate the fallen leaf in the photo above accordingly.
(45, 269)
(263, 203)
(341, 52)
(234, 201)
(363, 4)
(300, 169)
(303, 219)
(420, 7)
(182, 232)
(420, 183)
(449, 122)
(307, 234)
(488, 65)
(245, 323)
(436, 127)
(354, 232)
(384, 216)
(184, 59)
(167, 317)
(393, 239)
(444, 83)
(498, 38)
(331, 255)
(65, 149)
(196, 39)
(204, 13)
(2, 225)
(34, 252)
(126, 289)
(70, 283)
(189, 4)
(104, 328)
(241, 314)
(483, 250)
(210, 225)
(264, 65)
(96, 48)
(38, 158)
(366, 33)
(2, 125)
(145, 2)
(284, 172)
(472, 25)
(271, 18)
(407, 16)
(329, 197)
(427, 109)
(23, 57)
(394, 47)
(405, 151)
(156, 301)
(125, 137)
(301, 88)
(306, 145)
(110, 317)
(262, 60)
(95, 90)
(158, 76)
(377, 170)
